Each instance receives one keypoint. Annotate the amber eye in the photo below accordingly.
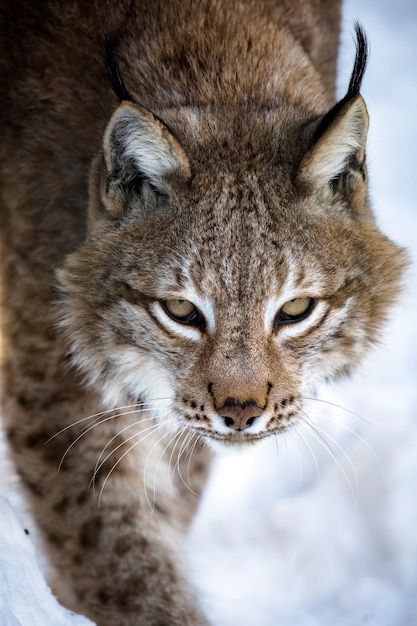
(295, 310)
(183, 311)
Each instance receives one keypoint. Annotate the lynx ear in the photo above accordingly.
(138, 149)
(339, 147)
(338, 144)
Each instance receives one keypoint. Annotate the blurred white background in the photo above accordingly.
(281, 541)
(299, 534)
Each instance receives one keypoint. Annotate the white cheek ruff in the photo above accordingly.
(143, 377)
(182, 330)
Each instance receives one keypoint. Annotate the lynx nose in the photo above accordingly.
(239, 415)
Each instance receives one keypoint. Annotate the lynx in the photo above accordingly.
(188, 249)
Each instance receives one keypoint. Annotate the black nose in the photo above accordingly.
(240, 415)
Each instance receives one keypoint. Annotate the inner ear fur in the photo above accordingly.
(137, 148)
(336, 157)
(338, 149)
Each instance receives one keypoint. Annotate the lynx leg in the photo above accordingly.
(119, 563)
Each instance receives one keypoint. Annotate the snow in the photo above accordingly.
(25, 599)
(299, 534)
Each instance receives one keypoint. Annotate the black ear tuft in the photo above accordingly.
(361, 59)
(118, 84)
(355, 82)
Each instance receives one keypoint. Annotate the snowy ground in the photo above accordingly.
(25, 599)
(283, 539)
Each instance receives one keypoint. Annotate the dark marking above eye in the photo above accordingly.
(179, 277)
(300, 276)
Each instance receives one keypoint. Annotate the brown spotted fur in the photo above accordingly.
(259, 74)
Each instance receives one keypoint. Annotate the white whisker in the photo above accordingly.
(153, 427)
(99, 464)
(364, 442)
(157, 426)
(365, 419)
(180, 432)
(145, 468)
(164, 448)
(140, 405)
(339, 447)
(190, 456)
(98, 422)
(177, 464)
(136, 423)
(326, 446)
(148, 456)
(311, 451)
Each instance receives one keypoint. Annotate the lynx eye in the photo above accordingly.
(183, 311)
(295, 310)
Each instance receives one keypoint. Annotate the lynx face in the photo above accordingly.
(228, 277)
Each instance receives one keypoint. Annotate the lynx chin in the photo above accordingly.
(188, 249)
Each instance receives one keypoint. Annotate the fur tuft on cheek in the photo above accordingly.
(122, 374)
(143, 378)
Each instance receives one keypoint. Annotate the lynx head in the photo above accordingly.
(232, 261)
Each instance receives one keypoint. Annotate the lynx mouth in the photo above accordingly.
(239, 438)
